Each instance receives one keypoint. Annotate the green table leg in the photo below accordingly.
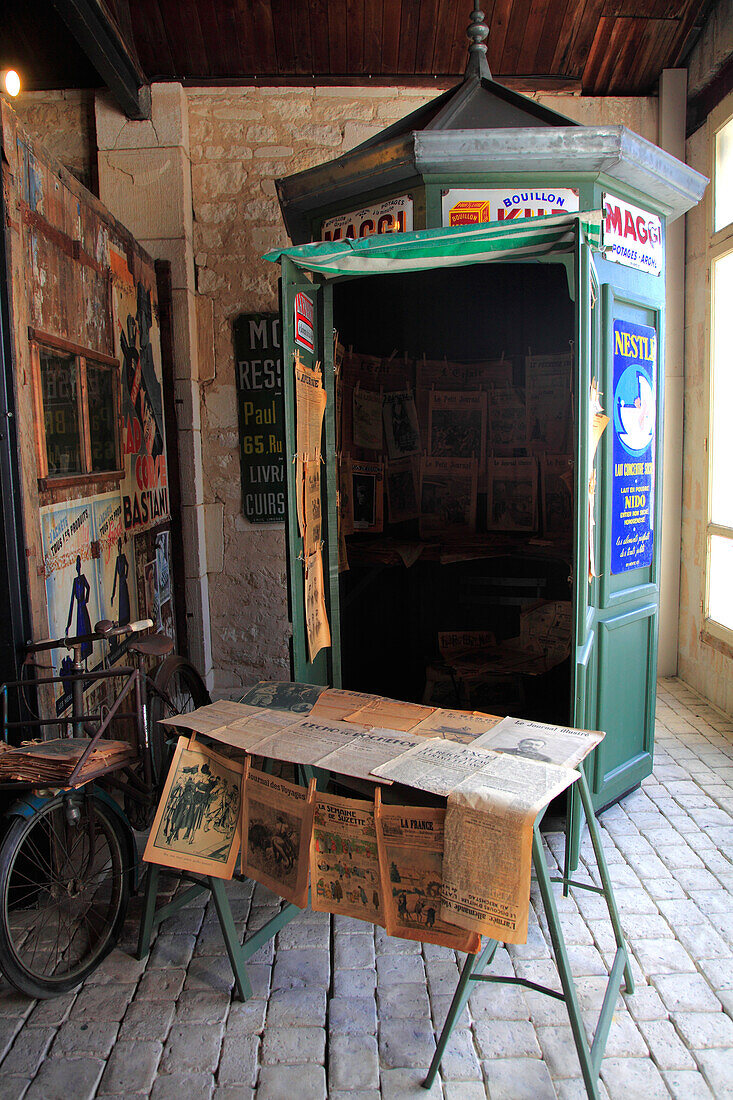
(231, 939)
(463, 990)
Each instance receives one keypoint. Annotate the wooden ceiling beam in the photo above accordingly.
(101, 40)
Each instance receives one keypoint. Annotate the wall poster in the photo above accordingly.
(144, 486)
(470, 206)
(634, 424)
(259, 376)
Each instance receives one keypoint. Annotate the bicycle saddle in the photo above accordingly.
(153, 645)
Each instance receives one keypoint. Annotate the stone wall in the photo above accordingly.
(241, 141)
(702, 663)
(64, 122)
(713, 48)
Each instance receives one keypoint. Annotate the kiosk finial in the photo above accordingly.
(477, 32)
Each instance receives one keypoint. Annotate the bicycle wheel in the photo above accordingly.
(64, 889)
(181, 691)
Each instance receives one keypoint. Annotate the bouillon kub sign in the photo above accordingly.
(259, 379)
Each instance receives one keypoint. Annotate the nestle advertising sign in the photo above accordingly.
(633, 237)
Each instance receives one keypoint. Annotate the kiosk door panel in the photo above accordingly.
(308, 335)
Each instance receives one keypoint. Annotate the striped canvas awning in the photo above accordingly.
(525, 239)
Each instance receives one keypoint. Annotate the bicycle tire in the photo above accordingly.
(182, 689)
(50, 867)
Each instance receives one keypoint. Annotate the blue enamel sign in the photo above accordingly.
(634, 429)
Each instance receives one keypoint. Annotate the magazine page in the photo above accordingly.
(344, 863)
(277, 826)
(410, 841)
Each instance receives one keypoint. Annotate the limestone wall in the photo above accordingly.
(242, 139)
(702, 662)
(64, 122)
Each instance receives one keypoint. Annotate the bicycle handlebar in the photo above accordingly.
(101, 631)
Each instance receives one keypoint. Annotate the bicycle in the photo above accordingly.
(68, 857)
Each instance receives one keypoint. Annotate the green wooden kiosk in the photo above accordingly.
(559, 241)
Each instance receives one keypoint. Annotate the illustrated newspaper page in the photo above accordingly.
(277, 825)
(344, 865)
(410, 841)
(316, 615)
(493, 800)
(310, 405)
(561, 745)
(196, 826)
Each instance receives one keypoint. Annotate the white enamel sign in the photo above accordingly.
(632, 237)
(471, 206)
(391, 216)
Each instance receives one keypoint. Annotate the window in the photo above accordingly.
(719, 600)
(77, 404)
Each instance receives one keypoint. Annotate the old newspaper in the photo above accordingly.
(277, 825)
(344, 861)
(493, 800)
(310, 404)
(316, 615)
(410, 840)
(561, 745)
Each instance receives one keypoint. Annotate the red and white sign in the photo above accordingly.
(632, 237)
(391, 216)
(470, 206)
(304, 321)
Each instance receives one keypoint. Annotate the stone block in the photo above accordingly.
(131, 1068)
(238, 1063)
(174, 1086)
(406, 1043)
(205, 336)
(28, 1051)
(279, 1082)
(511, 1039)
(192, 1047)
(149, 190)
(352, 1016)
(354, 983)
(169, 113)
(353, 1062)
(354, 952)
(687, 1085)
(143, 1021)
(403, 1001)
(61, 1078)
(510, 1078)
(93, 1038)
(459, 1062)
(686, 993)
(184, 309)
(400, 969)
(97, 1002)
(293, 1045)
(626, 1077)
(406, 1084)
(297, 1008)
(301, 969)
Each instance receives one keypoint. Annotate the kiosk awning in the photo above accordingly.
(525, 239)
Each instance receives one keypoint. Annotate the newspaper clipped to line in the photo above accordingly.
(277, 823)
(310, 405)
(344, 864)
(493, 801)
(410, 840)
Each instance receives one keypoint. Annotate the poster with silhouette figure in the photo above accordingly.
(197, 823)
(72, 584)
(115, 564)
(145, 501)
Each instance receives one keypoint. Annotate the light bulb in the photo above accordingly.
(11, 82)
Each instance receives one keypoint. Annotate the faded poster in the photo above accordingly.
(403, 489)
(448, 493)
(401, 428)
(367, 419)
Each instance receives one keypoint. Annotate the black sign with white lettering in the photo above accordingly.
(259, 378)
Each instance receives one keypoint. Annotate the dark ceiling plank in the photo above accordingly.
(265, 50)
(101, 40)
(372, 36)
(354, 36)
(661, 36)
(532, 37)
(391, 17)
(603, 55)
(560, 62)
(550, 36)
(497, 34)
(583, 35)
(284, 18)
(184, 34)
(521, 14)
(692, 21)
(151, 40)
(337, 36)
(409, 27)
(444, 38)
(303, 29)
(457, 39)
(219, 29)
(242, 12)
(319, 35)
(427, 30)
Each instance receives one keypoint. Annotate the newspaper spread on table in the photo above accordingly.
(540, 741)
(344, 863)
(493, 800)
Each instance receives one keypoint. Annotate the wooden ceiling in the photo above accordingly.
(601, 46)
(597, 47)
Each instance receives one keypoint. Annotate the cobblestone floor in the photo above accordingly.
(340, 1010)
